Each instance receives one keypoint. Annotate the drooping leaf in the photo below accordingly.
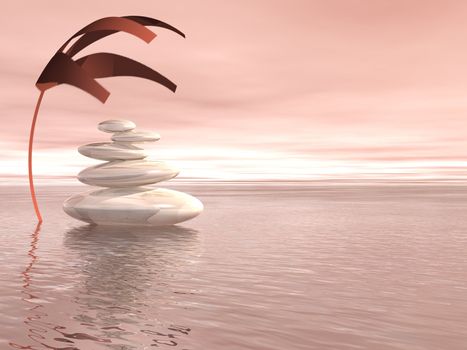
(104, 64)
(115, 24)
(93, 36)
(61, 69)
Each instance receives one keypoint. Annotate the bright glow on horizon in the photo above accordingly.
(234, 164)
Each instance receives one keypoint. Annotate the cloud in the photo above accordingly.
(314, 88)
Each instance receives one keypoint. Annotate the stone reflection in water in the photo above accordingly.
(125, 276)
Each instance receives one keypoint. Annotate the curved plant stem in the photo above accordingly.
(31, 139)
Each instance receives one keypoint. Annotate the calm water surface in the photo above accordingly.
(264, 267)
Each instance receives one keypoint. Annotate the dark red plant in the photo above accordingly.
(83, 72)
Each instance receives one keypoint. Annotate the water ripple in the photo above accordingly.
(263, 268)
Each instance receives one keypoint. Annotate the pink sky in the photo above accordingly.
(266, 89)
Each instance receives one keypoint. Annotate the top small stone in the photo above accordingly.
(116, 125)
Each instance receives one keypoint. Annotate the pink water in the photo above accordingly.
(295, 266)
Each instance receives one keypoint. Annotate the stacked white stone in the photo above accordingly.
(124, 201)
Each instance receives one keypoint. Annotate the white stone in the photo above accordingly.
(116, 125)
(112, 151)
(136, 136)
(142, 206)
(127, 173)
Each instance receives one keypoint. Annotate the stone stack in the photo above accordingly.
(124, 201)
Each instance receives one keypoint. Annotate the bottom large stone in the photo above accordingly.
(140, 206)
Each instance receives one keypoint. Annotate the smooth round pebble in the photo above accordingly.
(136, 136)
(112, 151)
(127, 173)
(116, 125)
(141, 206)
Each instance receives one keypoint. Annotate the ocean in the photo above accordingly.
(266, 266)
